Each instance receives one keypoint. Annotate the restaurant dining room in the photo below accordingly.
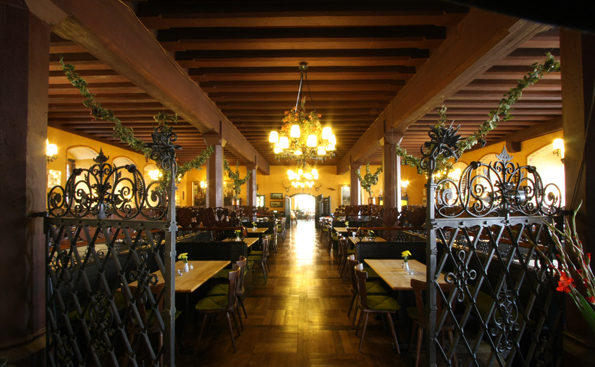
(282, 183)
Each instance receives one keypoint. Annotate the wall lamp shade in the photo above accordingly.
(558, 147)
(51, 151)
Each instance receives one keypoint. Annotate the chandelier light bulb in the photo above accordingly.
(283, 142)
(295, 131)
(327, 132)
(277, 150)
(312, 141)
(321, 151)
(50, 149)
(332, 140)
(298, 152)
(315, 173)
(330, 147)
(274, 137)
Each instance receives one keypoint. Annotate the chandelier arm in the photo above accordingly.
(309, 91)
(300, 90)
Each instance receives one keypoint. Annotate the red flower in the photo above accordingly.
(565, 283)
(591, 299)
(589, 256)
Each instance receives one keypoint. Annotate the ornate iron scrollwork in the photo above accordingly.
(505, 320)
(497, 189)
(443, 141)
(461, 275)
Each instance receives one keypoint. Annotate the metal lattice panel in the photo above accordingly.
(105, 297)
(487, 235)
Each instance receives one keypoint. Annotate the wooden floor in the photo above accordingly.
(299, 318)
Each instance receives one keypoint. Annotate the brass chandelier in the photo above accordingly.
(303, 177)
(302, 136)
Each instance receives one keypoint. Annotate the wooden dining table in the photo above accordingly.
(249, 240)
(356, 240)
(396, 277)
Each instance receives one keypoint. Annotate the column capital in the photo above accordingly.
(213, 139)
(392, 137)
(355, 165)
(251, 166)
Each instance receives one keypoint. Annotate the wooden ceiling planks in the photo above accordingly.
(245, 56)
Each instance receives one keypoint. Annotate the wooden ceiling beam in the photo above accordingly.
(299, 44)
(475, 45)
(272, 20)
(313, 61)
(111, 32)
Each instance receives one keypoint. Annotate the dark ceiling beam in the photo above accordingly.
(474, 46)
(515, 139)
(112, 33)
(271, 20)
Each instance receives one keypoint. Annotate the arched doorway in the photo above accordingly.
(303, 205)
(550, 168)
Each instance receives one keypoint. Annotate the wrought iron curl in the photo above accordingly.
(163, 149)
(461, 276)
(443, 142)
(504, 326)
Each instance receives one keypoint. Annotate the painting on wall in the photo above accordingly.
(276, 204)
(227, 193)
(276, 196)
(54, 178)
(345, 195)
(199, 194)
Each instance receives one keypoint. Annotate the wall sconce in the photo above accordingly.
(559, 148)
(155, 174)
(51, 151)
(203, 184)
(404, 185)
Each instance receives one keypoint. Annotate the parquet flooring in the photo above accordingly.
(299, 318)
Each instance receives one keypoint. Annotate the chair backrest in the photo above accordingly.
(343, 247)
(420, 286)
(265, 249)
(233, 276)
(351, 263)
(241, 263)
(150, 297)
(361, 277)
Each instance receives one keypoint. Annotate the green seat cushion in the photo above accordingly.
(351, 252)
(380, 302)
(219, 290)
(254, 258)
(212, 303)
(335, 237)
(375, 288)
(256, 252)
(249, 264)
(412, 312)
(119, 301)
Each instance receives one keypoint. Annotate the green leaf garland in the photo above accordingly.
(502, 113)
(235, 177)
(370, 179)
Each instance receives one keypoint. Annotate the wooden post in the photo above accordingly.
(215, 171)
(25, 44)
(391, 164)
(355, 184)
(577, 51)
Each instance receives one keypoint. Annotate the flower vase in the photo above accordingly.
(238, 237)
(186, 267)
(254, 228)
(406, 267)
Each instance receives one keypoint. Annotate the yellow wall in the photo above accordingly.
(65, 140)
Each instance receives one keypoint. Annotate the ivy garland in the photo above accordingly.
(502, 113)
(235, 177)
(370, 179)
(126, 135)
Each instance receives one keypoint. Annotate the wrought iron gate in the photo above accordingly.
(107, 235)
(486, 235)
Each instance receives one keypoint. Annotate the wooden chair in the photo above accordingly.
(367, 304)
(261, 260)
(266, 242)
(223, 289)
(224, 304)
(344, 252)
(418, 316)
(149, 321)
(371, 287)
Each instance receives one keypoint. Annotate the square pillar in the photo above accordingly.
(355, 184)
(24, 75)
(214, 171)
(392, 170)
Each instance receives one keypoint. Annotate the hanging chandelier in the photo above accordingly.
(302, 136)
(303, 177)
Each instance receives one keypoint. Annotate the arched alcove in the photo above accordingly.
(549, 166)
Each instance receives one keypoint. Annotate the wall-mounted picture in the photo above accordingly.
(199, 194)
(345, 195)
(227, 193)
(276, 204)
(277, 197)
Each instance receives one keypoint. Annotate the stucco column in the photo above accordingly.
(355, 184)
(391, 164)
(251, 192)
(215, 171)
(24, 73)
